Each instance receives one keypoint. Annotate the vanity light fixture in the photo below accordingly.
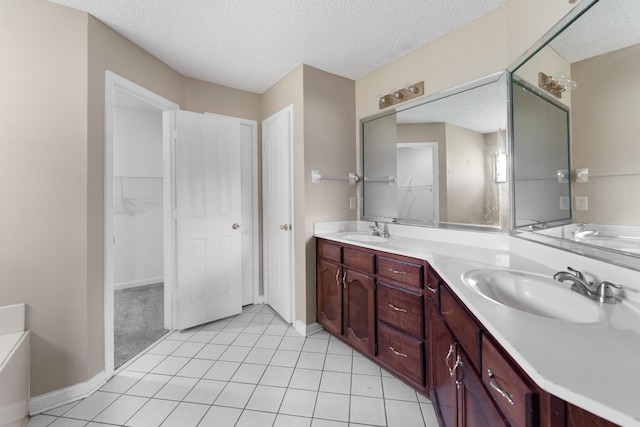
(556, 84)
(401, 95)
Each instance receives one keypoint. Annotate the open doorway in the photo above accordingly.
(139, 227)
(138, 230)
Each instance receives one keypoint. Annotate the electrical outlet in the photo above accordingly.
(582, 203)
(565, 203)
(352, 202)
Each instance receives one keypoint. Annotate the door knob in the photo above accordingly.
(284, 227)
(235, 226)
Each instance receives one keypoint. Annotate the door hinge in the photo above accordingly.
(174, 134)
(175, 294)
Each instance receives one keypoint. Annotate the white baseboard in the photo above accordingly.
(305, 329)
(47, 401)
(136, 283)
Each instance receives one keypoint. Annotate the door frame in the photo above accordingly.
(116, 84)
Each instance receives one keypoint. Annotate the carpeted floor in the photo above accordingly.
(139, 320)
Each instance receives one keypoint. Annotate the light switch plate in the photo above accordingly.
(352, 202)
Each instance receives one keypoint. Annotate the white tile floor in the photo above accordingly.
(249, 370)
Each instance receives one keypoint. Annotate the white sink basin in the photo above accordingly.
(362, 237)
(534, 294)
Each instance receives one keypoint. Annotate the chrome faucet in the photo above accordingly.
(379, 229)
(581, 231)
(601, 293)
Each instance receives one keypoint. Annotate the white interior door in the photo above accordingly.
(277, 143)
(417, 174)
(209, 213)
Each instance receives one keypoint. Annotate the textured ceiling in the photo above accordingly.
(591, 34)
(252, 44)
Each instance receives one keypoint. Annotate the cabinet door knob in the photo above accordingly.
(434, 290)
(344, 280)
(338, 277)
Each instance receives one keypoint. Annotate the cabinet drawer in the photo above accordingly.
(400, 308)
(461, 324)
(361, 261)
(405, 272)
(518, 402)
(401, 352)
(330, 251)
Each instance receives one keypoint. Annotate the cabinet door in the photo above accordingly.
(443, 352)
(359, 306)
(329, 295)
(475, 407)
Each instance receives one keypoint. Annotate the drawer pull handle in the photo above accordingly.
(396, 271)
(397, 352)
(338, 277)
(494, 385)
(434, 290)
(446, 360)
(402, 310)
(344, 280)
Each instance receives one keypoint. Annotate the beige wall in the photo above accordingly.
(43, 231)
(329, 114)
(465, 176)
(607, 145)
(204, 97)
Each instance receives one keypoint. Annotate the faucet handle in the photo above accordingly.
(578, 274)
(604, 293)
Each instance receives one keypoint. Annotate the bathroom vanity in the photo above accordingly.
(403, 303)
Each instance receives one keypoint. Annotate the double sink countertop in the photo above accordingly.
(593, 365)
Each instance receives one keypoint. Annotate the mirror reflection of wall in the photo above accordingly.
(600, 50)
(453, 181)
(605, 136)
(541, 159)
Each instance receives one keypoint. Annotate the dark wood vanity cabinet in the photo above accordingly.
(397, 311)
(375, 303)
(457, 389)
(345, 291)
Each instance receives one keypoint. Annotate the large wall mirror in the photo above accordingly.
(440, 161)
(599, 51)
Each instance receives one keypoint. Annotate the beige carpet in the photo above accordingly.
(138, 320)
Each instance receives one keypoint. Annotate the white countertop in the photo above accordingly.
(595, 366)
